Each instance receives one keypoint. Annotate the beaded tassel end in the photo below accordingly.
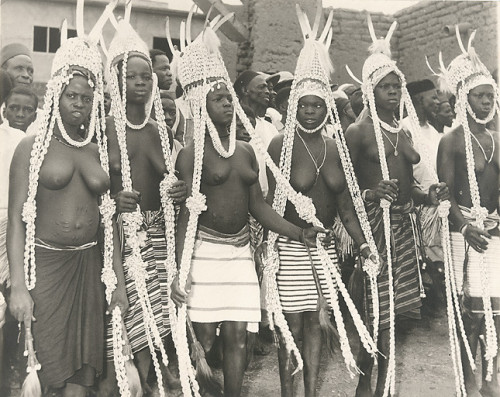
(31, 385)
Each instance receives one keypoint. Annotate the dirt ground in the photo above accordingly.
(423, 367)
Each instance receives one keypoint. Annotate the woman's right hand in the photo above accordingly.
(127, 201)
(21, 304)
(387, 190)
(474, 237)
(177, 294)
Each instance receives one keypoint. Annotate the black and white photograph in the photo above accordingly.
(249, 198)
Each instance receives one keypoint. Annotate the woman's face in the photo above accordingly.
(139, 80)
(311, 111)
(481, 100)
(220, 105)
(75, 103)
(388, 92)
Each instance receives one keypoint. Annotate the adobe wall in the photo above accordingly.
(275, 39)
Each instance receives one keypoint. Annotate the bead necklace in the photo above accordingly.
(388, 127)
(481, 146)
(66, 136)
(318, 168)
(395, 146)
(484, 121)
(62, 141)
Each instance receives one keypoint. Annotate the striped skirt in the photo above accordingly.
(224, 282)
(154, 254)
(466, 267)
(404, 263)
(296, 286)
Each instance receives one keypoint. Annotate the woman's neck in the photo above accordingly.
(385, 115)
(136, 112)
(73, 132)
(222, 130)
(474, 126)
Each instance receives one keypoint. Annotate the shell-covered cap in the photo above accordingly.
(465, 70)
(81, 50)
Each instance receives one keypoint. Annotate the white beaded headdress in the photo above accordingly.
(312, 77)
(463, 74)
(126, 44)
(76, 53)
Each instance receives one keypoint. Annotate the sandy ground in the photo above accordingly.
(423, 365)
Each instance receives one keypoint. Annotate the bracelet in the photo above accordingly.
(463, 228)
(363, 195)
(363, 246)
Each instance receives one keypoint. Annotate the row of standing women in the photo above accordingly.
(83, 212)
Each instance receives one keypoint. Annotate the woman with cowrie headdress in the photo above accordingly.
(303, 284)
(59, 195)
(468, 161)
(216, 278)
(141, 161)
(383, 156)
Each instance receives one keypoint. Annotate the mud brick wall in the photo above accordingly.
(421, 32)
(275, 39)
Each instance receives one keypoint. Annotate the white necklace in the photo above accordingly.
(481, 146)
(216, 141)
(477, 119)
(66, 136)
(149, 104)
(318, 167)
(388, 127)
(312, 131)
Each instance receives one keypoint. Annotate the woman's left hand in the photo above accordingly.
(309, 235)
(438, 192)
(367, 254)
(178, 191)
(119, 298)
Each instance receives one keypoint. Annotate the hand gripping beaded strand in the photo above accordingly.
(314, 72)
(452, 298)
(133, 221)
(465, 72)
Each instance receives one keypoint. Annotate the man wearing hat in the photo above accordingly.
(277, 82)
(16, 60)
(426, 102)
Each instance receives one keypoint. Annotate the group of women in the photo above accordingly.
(83, 212)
